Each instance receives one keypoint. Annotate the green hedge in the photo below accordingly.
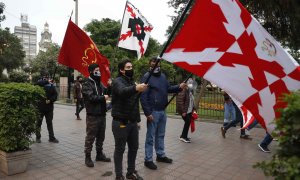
(18, 115)
(285, 163)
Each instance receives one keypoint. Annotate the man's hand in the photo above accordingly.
(75, 100)
(47, 101)
(139, 126)
(106, 97)
(183, 114)
(150, 118)
(183, 85)
(141, 87)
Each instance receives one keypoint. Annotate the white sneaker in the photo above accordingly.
(186, 140)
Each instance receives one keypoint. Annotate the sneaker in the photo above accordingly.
(38, 140)
(133, 175)
(78, 118)
(164, 159)
(53, 140)
(186, 140)
(264, 149)
(223, 132)
(245, 137)
(150, 165)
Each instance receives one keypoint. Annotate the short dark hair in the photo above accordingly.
(122, 64)
(78, 77)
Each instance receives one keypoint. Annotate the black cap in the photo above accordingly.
(44, 73)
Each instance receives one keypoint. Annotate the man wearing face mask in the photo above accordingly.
(185, 107)
(126, 116)
(153, 101)
(78, 96)
(95, 104)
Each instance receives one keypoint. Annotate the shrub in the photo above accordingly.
(18, 115)
(18, 76)
(285, 163)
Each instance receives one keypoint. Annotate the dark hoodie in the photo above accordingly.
(51, 94)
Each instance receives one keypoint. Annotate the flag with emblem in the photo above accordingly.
(135, 31)
(223, 43)
(78, 51)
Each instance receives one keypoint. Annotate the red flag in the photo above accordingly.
(223, 43)
(78, 51)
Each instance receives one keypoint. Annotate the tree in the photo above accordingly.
(2, 7)
(48, 60)
(11, 53)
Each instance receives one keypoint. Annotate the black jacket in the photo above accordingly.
(51, 94)
(94, 100)
(125, 100)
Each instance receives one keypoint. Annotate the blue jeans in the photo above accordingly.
(266, 141)
(229, 112)
(156, 135)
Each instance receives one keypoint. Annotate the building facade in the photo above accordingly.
(28, 35)
(45, 41)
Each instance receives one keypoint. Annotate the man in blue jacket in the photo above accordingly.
(153, 101)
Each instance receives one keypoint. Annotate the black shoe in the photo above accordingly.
(38, 140)
(223, 132)
(102, 157)
(133, 175)
(164, 159)
(245, 137)
(120, 178)
(264, 149)
(88, 160)
(150, 165)
(186, 140)
(53, 140)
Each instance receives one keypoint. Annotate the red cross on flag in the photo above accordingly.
(135, 32)
(223, 43)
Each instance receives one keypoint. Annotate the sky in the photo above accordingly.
(57, 13)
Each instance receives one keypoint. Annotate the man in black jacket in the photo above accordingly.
(126, 116)
(95, 104)
(46, 107)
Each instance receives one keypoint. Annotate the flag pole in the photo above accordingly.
(69, 75)
(170, 38)
(122, 22)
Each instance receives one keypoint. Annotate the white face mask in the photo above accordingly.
(190, 86)
(97, 73)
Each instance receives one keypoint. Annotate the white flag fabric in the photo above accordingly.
(223, 43)
(135, 32)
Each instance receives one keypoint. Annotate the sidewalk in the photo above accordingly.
(209, 156)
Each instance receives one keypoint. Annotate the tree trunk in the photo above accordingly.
(200, 94)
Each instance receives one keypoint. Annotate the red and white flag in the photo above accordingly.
(135, 32)
(223, 43)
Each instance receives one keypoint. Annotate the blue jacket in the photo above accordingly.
(155, 98)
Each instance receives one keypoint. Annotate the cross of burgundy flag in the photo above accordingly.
(135, 31)
(223, 43)
(78, 51)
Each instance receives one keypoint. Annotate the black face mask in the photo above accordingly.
(129, 73)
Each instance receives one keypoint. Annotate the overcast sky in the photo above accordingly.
(57, 13)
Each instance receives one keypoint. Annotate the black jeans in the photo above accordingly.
(233, 123)
(95, 129)
(125, 133)
(79, 105)
(49, 117)
(187, 123)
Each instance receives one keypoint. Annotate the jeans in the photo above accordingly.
(156, 135)
(266, 141)
(229, 112)
(125, 133)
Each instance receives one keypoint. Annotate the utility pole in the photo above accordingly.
(76, 73)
